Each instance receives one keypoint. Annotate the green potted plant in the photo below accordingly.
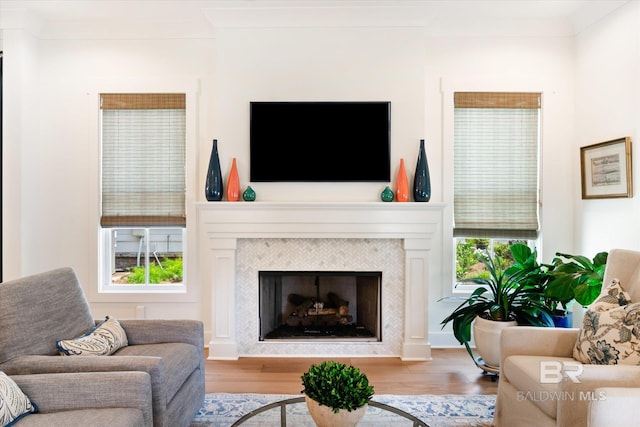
(500, 300)
(567, 279)
(576, 277)
(530, 271)
(336, 394)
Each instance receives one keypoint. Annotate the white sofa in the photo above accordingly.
(531, 391)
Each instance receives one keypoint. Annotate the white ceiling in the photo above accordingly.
(437, 17)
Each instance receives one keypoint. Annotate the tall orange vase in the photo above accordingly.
(402, 184)
(233, 183)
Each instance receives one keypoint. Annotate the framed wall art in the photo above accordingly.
(606, 169)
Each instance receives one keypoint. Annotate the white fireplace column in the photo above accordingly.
(223, 344)
(416, 300)
(222, 223)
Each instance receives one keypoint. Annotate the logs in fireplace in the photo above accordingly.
(313, 304)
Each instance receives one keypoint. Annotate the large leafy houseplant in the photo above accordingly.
(568, 278)
(337, 385)
(530, 271)
(576, 277)
(507, 294)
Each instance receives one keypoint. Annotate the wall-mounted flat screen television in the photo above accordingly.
(320, 141)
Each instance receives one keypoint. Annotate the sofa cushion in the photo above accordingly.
(14, 404)
(523, 372)
(99, 417)
(610, 332)
(612, 296)
(32, 325)
(104, 339)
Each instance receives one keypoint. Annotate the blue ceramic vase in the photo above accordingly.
(421, 179)
(213, 187)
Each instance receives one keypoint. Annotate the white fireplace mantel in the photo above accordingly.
(220, 224)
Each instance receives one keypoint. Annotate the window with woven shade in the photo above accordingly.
(143, 216)
(143, 159)
(496, 141)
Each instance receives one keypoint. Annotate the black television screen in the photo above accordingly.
(320, 141)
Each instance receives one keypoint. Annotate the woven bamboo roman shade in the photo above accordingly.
(496, 139)
(143, 160)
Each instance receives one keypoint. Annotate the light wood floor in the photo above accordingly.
(450, 372)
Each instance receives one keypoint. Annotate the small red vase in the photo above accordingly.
(402, 184)
(233, 183)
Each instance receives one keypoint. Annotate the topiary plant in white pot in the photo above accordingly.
(337, 394)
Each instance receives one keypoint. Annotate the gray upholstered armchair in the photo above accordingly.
(39, 310)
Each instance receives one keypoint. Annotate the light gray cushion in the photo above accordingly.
(101, 417)
(14, 404)
(92, 392)
(104, 339)
(32, 325)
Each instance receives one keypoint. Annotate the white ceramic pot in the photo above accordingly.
(325, 417)
(486, 334)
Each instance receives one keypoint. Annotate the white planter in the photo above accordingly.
(578, 314)
(486, 334)
(325, 417)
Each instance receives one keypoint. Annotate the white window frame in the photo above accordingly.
(107, 286)
(190, 289)
(449, 290)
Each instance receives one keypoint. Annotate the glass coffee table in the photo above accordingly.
(295, 409)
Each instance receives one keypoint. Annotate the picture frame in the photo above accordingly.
(606, 169)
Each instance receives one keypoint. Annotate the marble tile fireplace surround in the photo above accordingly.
(238, 240)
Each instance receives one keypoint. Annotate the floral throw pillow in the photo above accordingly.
(610, 332)
(102, 340)
(14, 404)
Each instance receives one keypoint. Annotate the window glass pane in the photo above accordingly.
(147, 256)
(469, 255)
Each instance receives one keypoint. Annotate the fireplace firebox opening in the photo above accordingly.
(335, 305)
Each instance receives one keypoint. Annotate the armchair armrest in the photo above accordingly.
(611, 406)
(25, 365)
(594, 376)
(151, 331)
(70, 391)
(537, 341)
(582, 393)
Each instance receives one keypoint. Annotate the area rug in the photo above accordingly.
(223, 409)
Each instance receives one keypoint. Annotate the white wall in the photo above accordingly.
(20, 125)
(608, 107)
(53, 173)
(56, 178)
(318, 64)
